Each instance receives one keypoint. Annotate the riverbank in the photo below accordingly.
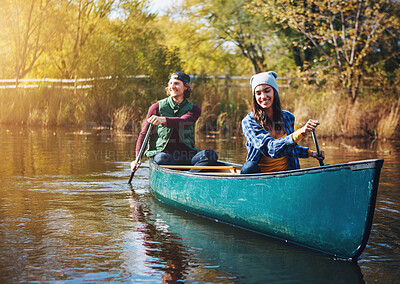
(372, 115)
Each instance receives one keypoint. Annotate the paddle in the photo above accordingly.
(321, 163)
(142, 149)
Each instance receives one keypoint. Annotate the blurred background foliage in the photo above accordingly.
(341, 59)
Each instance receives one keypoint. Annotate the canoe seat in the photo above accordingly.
(223, 169)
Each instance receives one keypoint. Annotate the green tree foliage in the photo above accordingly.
(128, 46)
(198, 47)
(28, 26)
(68, 38)
(82, 22)
(93, 39)
(265, 44)
(348, 34)
(230, 22)
(78, 21)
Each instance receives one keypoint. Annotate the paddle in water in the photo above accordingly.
(321, 163)
(142, 149)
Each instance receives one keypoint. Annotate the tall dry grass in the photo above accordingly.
(41, 107)
(105, 104)
(373, 115)
(389, 122)
(121, 117)
(222, 108)
(367, 117)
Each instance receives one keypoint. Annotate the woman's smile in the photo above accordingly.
(264, 95)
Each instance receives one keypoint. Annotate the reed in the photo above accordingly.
(34, 117)
(368, 117)
(124, 106)
(222, 108)
(389, 123)
(14, 107)
(121, 117)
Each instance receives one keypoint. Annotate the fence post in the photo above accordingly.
(226, 80)
(75, 84)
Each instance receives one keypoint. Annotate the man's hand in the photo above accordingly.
(157, 120)
(135, 166)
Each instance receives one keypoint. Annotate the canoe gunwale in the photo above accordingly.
(355, 166)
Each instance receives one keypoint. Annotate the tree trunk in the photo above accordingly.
(297, 56)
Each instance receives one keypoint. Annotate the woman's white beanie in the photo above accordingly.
(267, 78)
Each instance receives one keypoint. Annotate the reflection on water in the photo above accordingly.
(67, 214)
(233, 254)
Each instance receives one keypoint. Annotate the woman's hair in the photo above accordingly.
(187, 92)
(261, 116)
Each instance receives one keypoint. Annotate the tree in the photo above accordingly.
(231, 22)
(4, 44)
(29, 26)
(239, 23)
(124, 46)
(344, 32)
(200, 51)
(82, 21)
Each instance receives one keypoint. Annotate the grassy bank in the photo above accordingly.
(124, 107)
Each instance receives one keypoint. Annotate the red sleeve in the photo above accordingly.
(186, 120)
(153, 110)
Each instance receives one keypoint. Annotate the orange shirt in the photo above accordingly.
(269, 165)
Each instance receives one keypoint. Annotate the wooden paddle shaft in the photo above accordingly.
(321, 163)
(144, 144)
(142, 149)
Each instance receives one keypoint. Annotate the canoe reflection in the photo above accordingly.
(191, 248)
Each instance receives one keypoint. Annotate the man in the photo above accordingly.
(172, 141)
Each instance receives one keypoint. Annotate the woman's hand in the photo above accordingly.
(309, 126)
(321, 157)
(156, 120)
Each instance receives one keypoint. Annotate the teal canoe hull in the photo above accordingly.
(329, 208)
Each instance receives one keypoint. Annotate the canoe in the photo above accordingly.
(329, 209)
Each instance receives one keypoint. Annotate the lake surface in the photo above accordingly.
(68, 214)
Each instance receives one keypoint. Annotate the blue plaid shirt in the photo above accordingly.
(259, 142)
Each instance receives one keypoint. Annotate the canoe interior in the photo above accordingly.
(220, 168)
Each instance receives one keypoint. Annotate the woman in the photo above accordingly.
(269, 130)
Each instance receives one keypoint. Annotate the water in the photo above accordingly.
(67, 214)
